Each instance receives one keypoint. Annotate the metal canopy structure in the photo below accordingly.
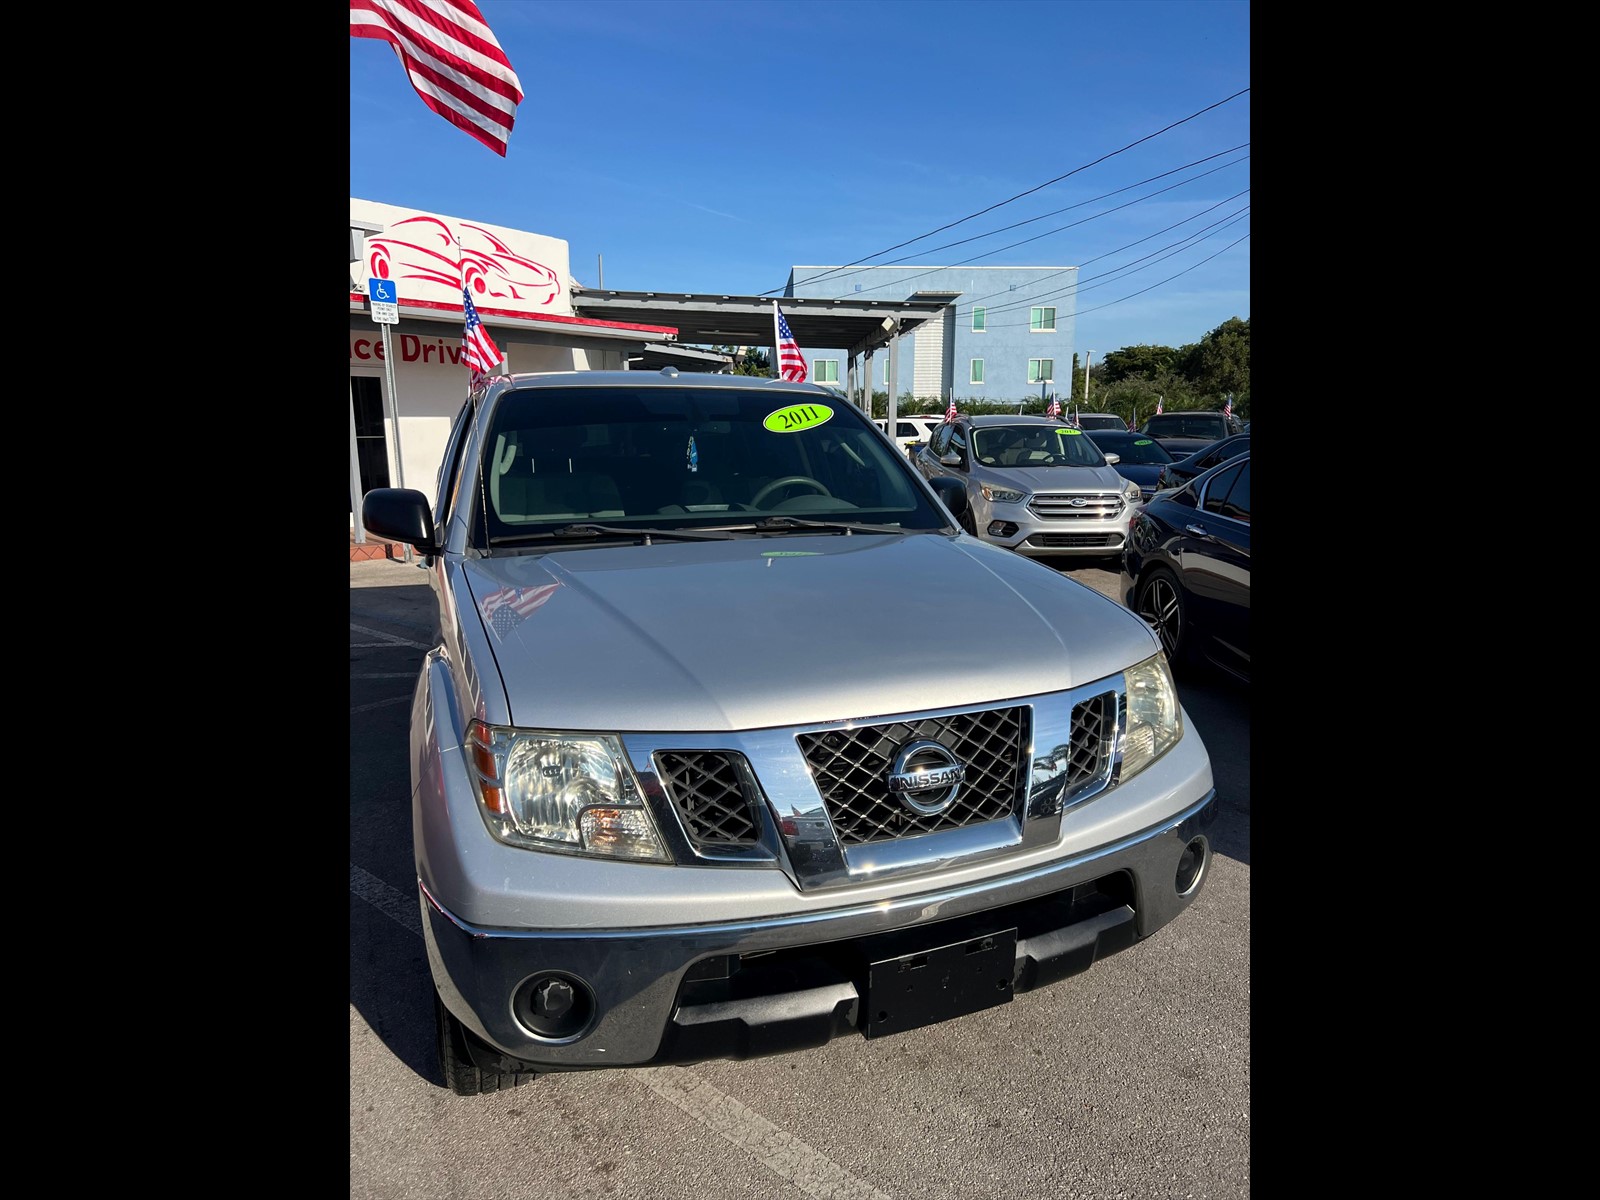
(708, 319)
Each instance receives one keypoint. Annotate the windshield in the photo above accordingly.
(1133, 449)
(1191, 425)
(686, 458)
(1034, 446)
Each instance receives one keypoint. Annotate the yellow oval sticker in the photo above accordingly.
(797, 417)
(1069, 432)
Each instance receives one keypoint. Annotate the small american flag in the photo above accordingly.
(479, 351)
(506, 608)
(1055, 408)
(950, 413)
(791, 363)
(1158, 406)
(1227, 409)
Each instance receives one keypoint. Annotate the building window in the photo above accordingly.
(977, 370)
(979, 315)
(825, 370)
(1042, 320)
(1041, 370)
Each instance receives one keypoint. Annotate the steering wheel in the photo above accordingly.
(787, 481)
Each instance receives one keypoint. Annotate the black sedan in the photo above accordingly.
(1186, 569)
(1186, 466)
(1139, 458)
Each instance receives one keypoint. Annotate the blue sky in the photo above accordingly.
(708, 145)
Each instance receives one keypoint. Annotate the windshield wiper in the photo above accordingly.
(774, 524)
(569, 532)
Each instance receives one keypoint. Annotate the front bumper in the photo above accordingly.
(1017, 527)
(692, 992)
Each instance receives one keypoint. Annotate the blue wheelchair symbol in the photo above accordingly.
(381, 290)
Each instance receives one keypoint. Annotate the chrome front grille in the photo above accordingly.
(851, 766)
(708, 790)
(1061, 506)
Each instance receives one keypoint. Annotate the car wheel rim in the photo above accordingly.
(1160, 610)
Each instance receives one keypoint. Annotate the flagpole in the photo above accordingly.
(1088, 355)
(776, 345)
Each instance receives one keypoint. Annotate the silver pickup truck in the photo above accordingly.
(733, 742)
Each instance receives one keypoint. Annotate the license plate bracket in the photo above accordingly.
(928, 986)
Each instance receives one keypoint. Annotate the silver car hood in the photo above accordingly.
(792, 630)
(1050, 479)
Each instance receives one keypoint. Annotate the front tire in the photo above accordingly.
(1160, 603)
(461, 1075)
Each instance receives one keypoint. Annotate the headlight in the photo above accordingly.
(990, 492)
(1155, 722)
(1130, 492)
(561, 791)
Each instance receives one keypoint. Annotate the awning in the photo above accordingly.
(709, 319)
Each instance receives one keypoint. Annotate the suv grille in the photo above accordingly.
(707, 789)
(1058, 506)
(850, 767)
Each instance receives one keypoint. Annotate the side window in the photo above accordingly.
(936, 443)
(1242, 446)
(958, 442)
(449, 467)
(1237, 503)
(1217, 489)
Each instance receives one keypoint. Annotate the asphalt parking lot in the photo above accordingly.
(1130, 1080)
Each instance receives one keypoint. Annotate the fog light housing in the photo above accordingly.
(554, 1006)
(1191, 867)
(1001, 528)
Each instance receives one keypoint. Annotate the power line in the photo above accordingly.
(1019, 224)
(1060, 229)
(1126, 269)
(1029, 192)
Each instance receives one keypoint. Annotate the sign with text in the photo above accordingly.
(385, 300)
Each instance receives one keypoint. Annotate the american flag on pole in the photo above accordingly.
(506, 608)
(1158, 406)
(791, 363)
(1227, 409)
(950, 413)
(1055, 408)
(478, 349)
(452, 59)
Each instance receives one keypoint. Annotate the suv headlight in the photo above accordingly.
(1155, 722)
(990, 492)
(573, 793)
(1130, 492)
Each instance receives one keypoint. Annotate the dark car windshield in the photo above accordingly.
(1133, 449)
(1190, 425)
(685, 458)
(1034, 446)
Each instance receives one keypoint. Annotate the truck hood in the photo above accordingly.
(791, 630)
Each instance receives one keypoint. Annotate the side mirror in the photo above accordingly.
(1113, 459)
(401, 514)
(952, 491)
(950, 459)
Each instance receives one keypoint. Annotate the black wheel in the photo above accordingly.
(1160, 603)
(461, 1075)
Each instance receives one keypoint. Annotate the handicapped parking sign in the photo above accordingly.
(385, 299)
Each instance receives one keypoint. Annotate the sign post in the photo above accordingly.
(384, 297)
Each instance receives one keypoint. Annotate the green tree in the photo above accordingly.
(748, 360)
(1149, 361)
(1220, 364)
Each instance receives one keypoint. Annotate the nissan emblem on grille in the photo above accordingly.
(926, 777)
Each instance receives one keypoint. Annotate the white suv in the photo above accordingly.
(912, 432)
